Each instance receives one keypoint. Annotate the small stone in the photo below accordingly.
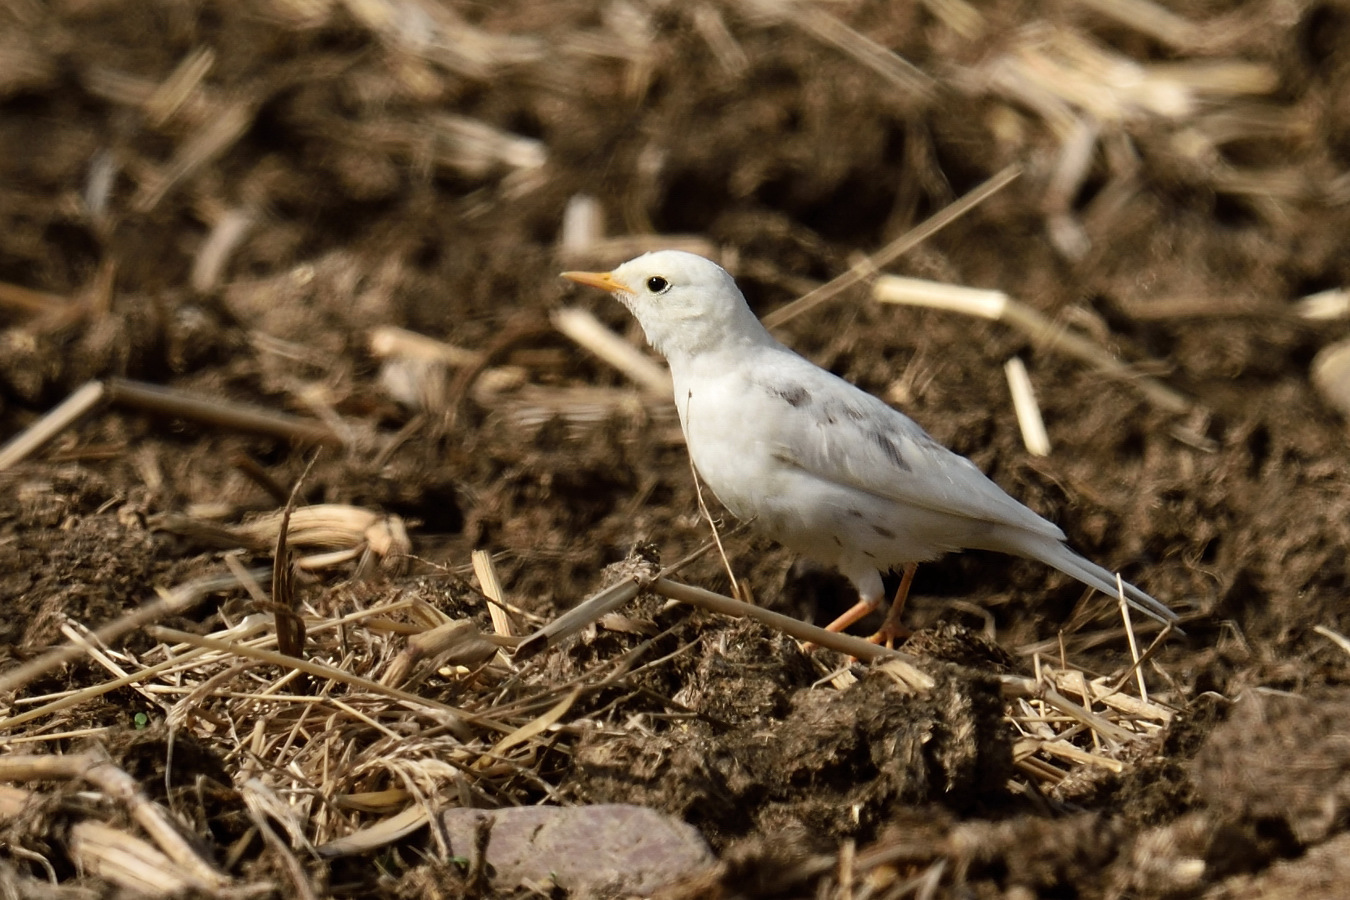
(586, 850)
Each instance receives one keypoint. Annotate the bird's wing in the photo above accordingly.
(831, 429)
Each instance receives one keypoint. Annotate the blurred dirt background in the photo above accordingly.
(241, 199)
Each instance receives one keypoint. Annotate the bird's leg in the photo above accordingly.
(867, 604)
(892, 628)
(855, 612)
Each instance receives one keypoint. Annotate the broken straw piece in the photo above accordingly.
(590, 333)
(1325, 305)
(57, 420)
(1150, 19)
(919, 292)
(388, 341)
(1043, 332)
(583, 225)
(178, 403)
(1028, 411)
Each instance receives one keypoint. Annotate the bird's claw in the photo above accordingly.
(887, 637)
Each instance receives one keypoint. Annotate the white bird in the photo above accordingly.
(825, 468)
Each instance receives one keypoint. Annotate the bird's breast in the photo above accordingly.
(726, 429)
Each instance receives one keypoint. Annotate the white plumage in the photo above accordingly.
(827, 469)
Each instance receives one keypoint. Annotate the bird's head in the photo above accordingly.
(685, 304)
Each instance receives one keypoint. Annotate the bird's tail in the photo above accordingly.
(1058, 555)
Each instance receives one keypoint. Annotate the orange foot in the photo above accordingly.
(891, 629)
(887, 637)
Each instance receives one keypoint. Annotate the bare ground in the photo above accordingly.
(230, 199)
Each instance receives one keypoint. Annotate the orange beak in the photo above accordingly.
(602, 280)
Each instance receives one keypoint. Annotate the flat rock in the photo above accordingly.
(587, 850)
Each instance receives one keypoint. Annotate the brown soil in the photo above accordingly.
(327, 127)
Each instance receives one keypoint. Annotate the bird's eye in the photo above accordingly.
(657, 285)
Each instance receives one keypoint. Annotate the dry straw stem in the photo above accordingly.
(110, 660)
(1171, 308)
(175, 91)
(1098, 691)
(9, 723)
(1028, 688)
(712, 27)
(383, 801)
(606, 601)
(583, 223)
(1335, 637)
(434, 32)
(1325, 306)
(868, 267)
(569, 623)
(1137, 666)
(52, 737)
(1063, 75)
(228, 122)
(623, 591)
(962, 17)
(530, 729)
(811, 17)
(170, 603)
(1049, 721)
(856, 647)
(1129, 634)
(167, 401)
(130, 90)
(1072, 640)
(530, 405)
(333, 525)
(456, 643)
(476, 148)
(381, 834)
(295, 873)
(616, 595)
(55, 421)
(1150, 19)
(741, 591)
(1202, 137)
(444, 714)
(491, 585)
(589, 332)
(347, 532)
(1028, 411)
(389, 341)
(1069, 753)
(229, 231)
(130, 863)
(1041, 770)
(1043, 332)
(1270, 187)
(30, 302)
(95, 768)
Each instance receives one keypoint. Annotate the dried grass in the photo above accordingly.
(359, 743)
(397, 708)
